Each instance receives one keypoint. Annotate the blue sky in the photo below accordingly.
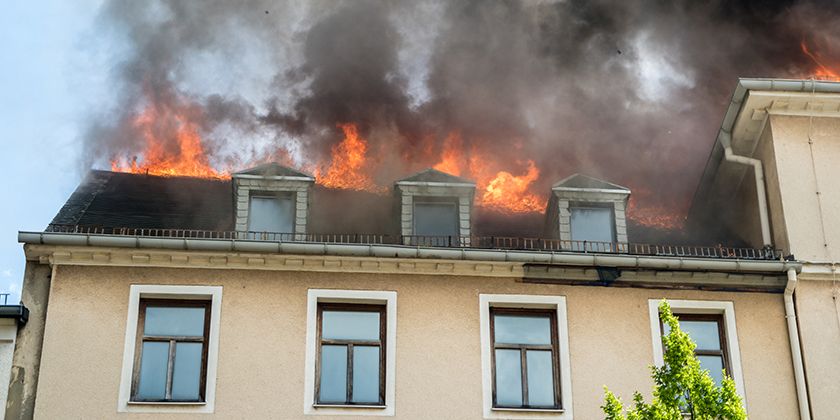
(48, 81)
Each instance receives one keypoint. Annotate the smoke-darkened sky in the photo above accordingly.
(630, 91)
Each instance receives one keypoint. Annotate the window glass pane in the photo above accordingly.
(333, 373)
(704, 333)
(540, 378)
(271, 214)
(176, 321)
(522, 329)
(186, 375)
(435, 219)
(715, 366)
(350, 325)
(366, 374)
(153, 365)
(508, 377)
(592, 225)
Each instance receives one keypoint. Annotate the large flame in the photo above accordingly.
(350, 167)
(825, 67)
(452, 156)
(173, 145)
(511, 194)
(644, 211)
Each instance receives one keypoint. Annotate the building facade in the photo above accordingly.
(171, 308)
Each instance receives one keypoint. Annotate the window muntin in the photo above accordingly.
(271, 213)
(350, 357)
(525, 358)
(707, 330)
(592, 224)
(435, 219)
(171, 351)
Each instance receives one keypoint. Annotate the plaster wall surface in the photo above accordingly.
(819, 326)
(438, 364)
(811, 219)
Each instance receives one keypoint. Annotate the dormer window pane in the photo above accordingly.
(435, 219)
(271, 214)
(592, 224)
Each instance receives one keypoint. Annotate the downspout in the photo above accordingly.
(796, 353)
(759, 187)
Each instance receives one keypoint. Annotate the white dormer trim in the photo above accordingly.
(460, 191)
(564, 198)
(264, 179)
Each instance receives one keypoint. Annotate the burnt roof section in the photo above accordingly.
(583, 181)
(433, 175)
(115, 199)
(273, 169)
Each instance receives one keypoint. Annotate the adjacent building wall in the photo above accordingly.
(438, 362)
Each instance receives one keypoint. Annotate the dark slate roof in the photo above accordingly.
(433, 175)
(114, 199)
(273, 169)
(583, 181)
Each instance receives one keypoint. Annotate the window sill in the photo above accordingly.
(534, 410)
(169, 403)
(348, 406)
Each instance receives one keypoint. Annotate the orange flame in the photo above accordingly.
(511, 194)
(823, 67)
(452, 155)
(173, 144)
(660, 216)
(349, 168)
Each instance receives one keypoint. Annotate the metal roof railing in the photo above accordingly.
(474, 242)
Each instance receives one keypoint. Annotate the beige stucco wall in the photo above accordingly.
(438, 365)
(819, 324)
(798, 184)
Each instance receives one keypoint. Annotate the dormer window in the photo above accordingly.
(588, 214)
(434, 208)
(592, 224)
(272, 199)
(436, 219)
(271, 213)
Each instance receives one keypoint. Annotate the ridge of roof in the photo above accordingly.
(580, 181)
(434, 175)
(272, 169)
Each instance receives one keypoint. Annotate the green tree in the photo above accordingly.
(681, 386)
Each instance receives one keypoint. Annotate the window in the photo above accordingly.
(707, 331)
(525, 365)
(272, 213)
(525, 357)
(592, 224)
(350, 361)
(171, 349)
(712, 325)
(435, 219)
(172, 346)
(351, 352)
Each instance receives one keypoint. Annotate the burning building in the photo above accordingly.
(275, 291)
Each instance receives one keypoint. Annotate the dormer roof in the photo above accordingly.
(578, 182)
(272, 169)
(431, 175)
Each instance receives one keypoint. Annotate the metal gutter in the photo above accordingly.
(405, 251)
(795, 351)
(19, 312)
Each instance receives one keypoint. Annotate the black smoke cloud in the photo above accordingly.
(629, 91)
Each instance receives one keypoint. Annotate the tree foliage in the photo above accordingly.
(681, 386)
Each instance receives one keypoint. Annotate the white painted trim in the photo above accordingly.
(702, 307)
(213, 293)
(389, 299)
(486, 301)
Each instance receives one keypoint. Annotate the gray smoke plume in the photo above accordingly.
(628, 91)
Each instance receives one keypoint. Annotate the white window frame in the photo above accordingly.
(370, 297)
(558, 303)
(211, 293)
(725, 308)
